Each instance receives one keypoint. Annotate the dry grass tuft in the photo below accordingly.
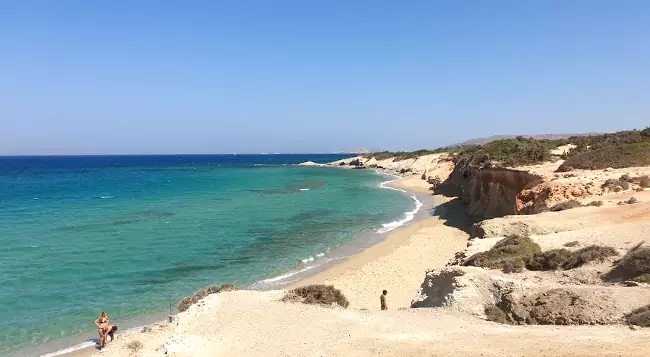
(318, 295)
(134, 346)
(509, 248)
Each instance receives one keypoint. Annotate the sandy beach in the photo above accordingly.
(396, 264)
(252, 323)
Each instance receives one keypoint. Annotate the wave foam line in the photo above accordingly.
(408, 216)
(70, 349)
(91, 343)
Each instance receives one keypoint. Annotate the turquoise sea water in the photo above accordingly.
(126, 234)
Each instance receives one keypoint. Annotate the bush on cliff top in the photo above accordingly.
(510, 248)
(508, 152)
(317, 295)
(616, 156)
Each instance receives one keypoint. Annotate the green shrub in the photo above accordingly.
(588, 254)
(637, 262)
(515, 265)
(509, 248)
(564, 259)
(508, 152)
(549, 260)
(615, 156)
(318, 295)
(639, 317)
(566, 205)
(495, 314)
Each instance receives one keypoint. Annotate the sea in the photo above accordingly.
(132, 235)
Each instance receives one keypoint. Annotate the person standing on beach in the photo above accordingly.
(382, 300)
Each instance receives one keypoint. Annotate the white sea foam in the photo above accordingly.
(304, 189)
(285, 276)
(106, 197)
(408, 216)
(88, 344)
(70, 349)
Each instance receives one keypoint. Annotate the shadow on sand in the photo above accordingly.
(454, 213)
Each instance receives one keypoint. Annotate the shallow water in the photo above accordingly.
(80, 235)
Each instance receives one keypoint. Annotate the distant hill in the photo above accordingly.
(485, 140)
(358, 151)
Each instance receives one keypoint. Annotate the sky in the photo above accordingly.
(171, 77)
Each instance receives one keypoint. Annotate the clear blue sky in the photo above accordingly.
(82, 77)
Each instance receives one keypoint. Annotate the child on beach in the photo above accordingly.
(382, 300)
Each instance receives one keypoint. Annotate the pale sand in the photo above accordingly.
(248, 323)
(397, 264)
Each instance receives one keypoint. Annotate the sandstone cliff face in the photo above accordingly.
(489, 192)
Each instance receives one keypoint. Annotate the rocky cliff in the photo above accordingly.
(488, 192)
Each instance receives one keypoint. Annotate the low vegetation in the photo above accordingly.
(405, 155)
(642, 181)
(188, 301)
(355, 162)
(556, 259)
(639, 317)
(549, 260)
(566, 205)
(504, 252)
(507, 152)
(616, 150)
(325, 295)
(592, 253)
(635, 265)
(616, 156)
(514, 253)
(572, 244)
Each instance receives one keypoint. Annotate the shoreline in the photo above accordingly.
(340, 257)
(401, 260)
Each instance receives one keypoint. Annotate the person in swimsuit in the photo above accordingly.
(103, 327)
(382, 300)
